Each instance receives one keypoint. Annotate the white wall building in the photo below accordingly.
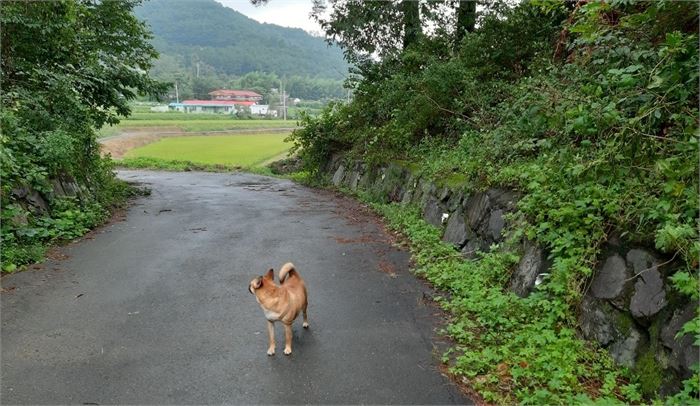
(259, 109)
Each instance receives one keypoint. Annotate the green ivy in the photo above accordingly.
(593, 118)
(510, 349)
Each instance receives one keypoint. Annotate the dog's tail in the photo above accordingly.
(286, 271)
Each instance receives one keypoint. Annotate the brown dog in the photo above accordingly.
(281, 303)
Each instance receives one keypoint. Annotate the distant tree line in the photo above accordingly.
(196, 85)
(231, 50)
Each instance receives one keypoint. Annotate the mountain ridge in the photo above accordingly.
(229, 42)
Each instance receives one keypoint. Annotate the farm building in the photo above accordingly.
(210, 106)
(235, 95)
(259, 109)
(223, 101)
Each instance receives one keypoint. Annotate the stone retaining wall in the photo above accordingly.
(630, 307)
(38, 202)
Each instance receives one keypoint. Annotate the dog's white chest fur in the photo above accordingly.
(270, 315)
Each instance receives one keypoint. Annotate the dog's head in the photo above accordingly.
(260, 281)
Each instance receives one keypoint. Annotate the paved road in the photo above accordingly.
(155, 309)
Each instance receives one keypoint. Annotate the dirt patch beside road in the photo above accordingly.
(119, 145)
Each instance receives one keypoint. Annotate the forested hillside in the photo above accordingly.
(587, 111)
(227, 42)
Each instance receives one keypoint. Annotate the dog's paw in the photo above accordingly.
(305, 325)
(287, 351)
(271, 351)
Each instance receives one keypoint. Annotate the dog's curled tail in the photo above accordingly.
(287, 270)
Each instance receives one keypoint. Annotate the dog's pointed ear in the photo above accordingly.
(270, 274)
(257, 283)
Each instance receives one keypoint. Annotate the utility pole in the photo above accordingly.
(177, 94)
(284, 101)
(197, 69)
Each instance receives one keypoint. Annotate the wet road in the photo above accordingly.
(155, 309)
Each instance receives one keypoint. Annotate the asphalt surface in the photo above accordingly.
(154, 309)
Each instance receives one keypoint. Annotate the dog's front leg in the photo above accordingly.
(271, 338)
(287, 339)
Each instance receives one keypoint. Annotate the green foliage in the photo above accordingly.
(690, 392)
(68, 67)
(510, 349)
(24, 242)
(320, 137)
(588, 109)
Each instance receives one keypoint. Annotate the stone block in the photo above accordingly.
(456, 232)
(353, 179)
(339, 175)
(596, 322)
(683, 354)
(476, 208)
(503, 198)
(433, 211)
(610, 280)
(649, 295)
(624, 351)
(474, 245)
(532, 263)
(496, 224)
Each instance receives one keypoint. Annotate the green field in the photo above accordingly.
(229, 150)
(192, 122)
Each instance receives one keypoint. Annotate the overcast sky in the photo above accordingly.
(287, 13)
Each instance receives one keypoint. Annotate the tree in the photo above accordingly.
(370, 28)
(466, 19)
(98, 48)
(68, 67)
(410, 12)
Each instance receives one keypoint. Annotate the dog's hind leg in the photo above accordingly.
(287, 339)
(271, 338)
(306, 319)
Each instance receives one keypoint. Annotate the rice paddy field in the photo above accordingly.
(190, 122)
(244, 151)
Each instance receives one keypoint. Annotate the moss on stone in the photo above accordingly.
(649, 372)
(455, 181)
(624, 322)
(412, 167)
(654, 332)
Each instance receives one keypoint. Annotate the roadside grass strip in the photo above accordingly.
(511, 350)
